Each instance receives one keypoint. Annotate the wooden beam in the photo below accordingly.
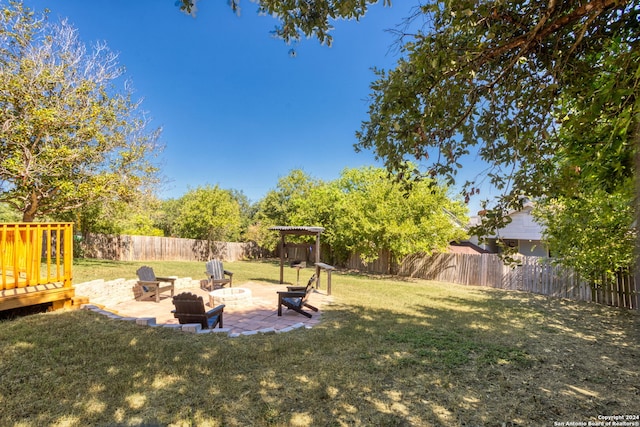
(282, 245)
(25, 299)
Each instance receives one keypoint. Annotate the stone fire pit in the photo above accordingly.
(231, 297)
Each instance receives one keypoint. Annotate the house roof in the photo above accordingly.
(466, 248)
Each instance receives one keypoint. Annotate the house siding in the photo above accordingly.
(523, 233)
(522, 227)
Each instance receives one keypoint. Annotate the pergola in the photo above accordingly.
(296, 231)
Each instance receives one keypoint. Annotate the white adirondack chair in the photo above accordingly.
(216, 275)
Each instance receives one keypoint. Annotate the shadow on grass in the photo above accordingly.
(502, 360)
(373, 276)
(24, 311)
(120, 373)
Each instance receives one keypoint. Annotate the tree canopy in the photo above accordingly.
(592, 232)
(364, 212)
(587, 208)
(544, 92)
(138, 217)
(301, 18)
(71, 132)
(502, 79)
(209, 213)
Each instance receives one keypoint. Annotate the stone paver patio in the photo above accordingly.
(258, 315)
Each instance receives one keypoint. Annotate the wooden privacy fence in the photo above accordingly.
(532, 274)
(151, 248)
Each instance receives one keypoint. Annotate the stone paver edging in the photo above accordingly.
(195, 328)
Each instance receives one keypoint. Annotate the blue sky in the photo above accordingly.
(236, 109)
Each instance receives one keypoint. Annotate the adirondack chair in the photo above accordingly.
(295, 298)
(216, 275)
(190, 309)
(149, 285)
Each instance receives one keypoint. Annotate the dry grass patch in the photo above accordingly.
(388, 352)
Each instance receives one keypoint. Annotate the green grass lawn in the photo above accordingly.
(388, 352)
(268, 271)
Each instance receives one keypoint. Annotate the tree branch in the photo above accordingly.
(541, 32)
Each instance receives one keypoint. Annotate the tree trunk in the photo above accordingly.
(28, 216)
(636, 269)
(30, 211)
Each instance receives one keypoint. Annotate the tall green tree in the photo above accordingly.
(71, 132)
(527, 85)
(167, 215)
(587, 208)
(209, 213)
(492, 77)
(322, 205)
(137, 217)
(365, 212)
(590, 232)
(247, 210)
(277, 205)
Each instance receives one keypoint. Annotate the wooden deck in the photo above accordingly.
(36, 261)
(55, 293)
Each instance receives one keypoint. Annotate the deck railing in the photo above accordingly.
(34, 254)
